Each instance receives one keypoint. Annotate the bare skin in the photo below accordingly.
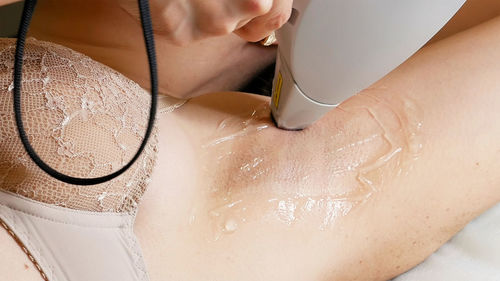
(404, 221)
(452, 178)
(215, 64)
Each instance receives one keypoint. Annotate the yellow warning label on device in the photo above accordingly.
(277, 90)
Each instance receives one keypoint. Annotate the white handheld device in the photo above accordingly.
(332, 49)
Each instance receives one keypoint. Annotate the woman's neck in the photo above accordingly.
(104, 31)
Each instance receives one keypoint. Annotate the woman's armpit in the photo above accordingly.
(316, 175)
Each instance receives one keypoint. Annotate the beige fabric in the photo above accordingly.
(71, 245)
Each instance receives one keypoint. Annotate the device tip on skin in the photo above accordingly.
(284, 128)
(291, 109)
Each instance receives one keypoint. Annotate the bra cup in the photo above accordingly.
(84, 119)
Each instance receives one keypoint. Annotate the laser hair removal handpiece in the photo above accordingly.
(332, 49)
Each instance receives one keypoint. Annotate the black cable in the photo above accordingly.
(29, 7)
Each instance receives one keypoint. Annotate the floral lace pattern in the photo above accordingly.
(83, 119)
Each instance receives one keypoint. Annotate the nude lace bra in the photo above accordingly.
(85, 120)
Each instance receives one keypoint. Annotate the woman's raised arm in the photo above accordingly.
(365, 194)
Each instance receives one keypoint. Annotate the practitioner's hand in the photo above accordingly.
(260, 27)
(185, 21)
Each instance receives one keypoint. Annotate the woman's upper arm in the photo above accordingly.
(448, 95)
